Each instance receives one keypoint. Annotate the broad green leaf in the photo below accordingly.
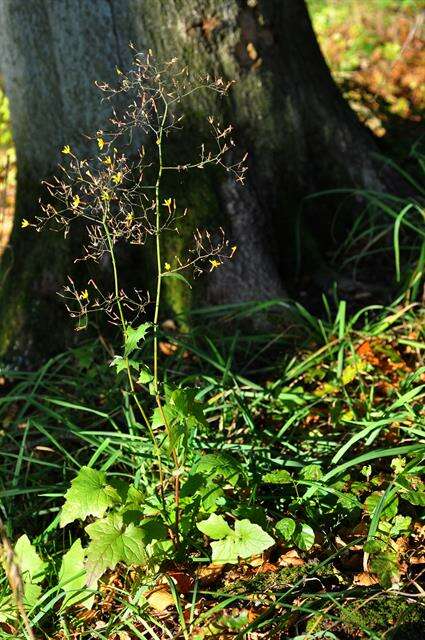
(304, 537)
(88, 495)
(286, 528)
(280, 476)
(32, 594)
(349, 502)
(386, 567)
(185, 403)
(374, 546)
(223, 465)
(311, 472)
(215, 527)
(31, 565)
(389, 509)
(72, 578)
(247, 539)
(212, 496)
(111, 541)
(153, 529)
(121, 363)
(182, 413)
(133, 337)
(145, 375)
(416, 498)
(351, 371)
(164, 415)
(251, 538)
(400, 524)
(224, 551)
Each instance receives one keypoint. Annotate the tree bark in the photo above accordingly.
(300, 134)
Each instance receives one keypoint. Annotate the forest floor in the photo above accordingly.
(324, 425)
(329, 437)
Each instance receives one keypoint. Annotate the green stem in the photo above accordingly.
(123, 328)
(158, 248)
(156, 313)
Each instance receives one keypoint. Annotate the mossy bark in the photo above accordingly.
(300, 134)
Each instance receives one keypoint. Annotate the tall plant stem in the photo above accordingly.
(127, 363)
(157, 306)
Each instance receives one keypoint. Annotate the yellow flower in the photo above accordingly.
(75, 202)
(167, 202)
(105, 196)
(167, 266)
(119, 72)
(129, 218)
(214, 264)
(84, 295)
(25, 223)
(107, 160)
(233, 251)
(117, 178)
(100, 143)
(66, 149)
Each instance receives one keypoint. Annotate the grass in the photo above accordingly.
(349, 398)
(334, 404)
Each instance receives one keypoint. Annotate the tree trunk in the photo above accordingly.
(289, 115)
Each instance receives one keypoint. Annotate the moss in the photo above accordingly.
(276, 581)
(396, 616)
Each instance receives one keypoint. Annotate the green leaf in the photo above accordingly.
(374, 546)
(311, 472)
(286, 528)
(145, 375)
(416, 498)
(72, 578)
(215, 527)
(32, 567)
(245, 540)
(133, 337)
(225, 551)
(400, 524)
(32, 594)
(389, 509)
(215, 465)
(177, 276)
(280, 476)
(89, 495)
(121, 363)
(386, 567)
(304, 537)
(111, 541)
(251, 538)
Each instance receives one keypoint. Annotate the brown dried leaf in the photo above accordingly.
(160, 598)
(290, 559)
(167, 348)
(183, 581)
(210, 573)
(365, 579)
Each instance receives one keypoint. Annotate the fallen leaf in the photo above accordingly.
(290, 559)
(169, 325)
(183, 581)
(167, 348)
(160, 598)
(210, 573)
(365, 579)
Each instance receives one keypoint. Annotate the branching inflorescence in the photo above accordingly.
(118, 196)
